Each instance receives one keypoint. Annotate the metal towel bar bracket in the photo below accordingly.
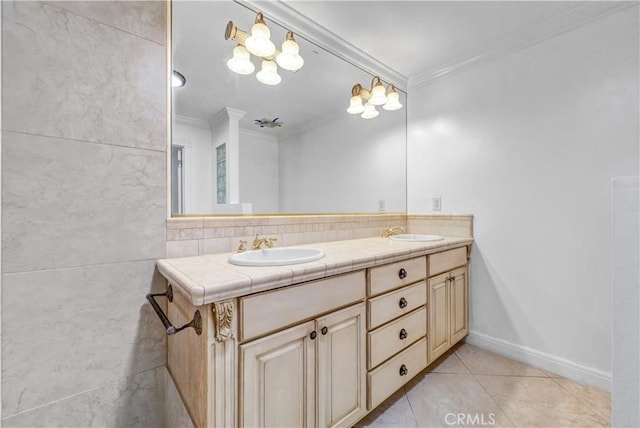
(196, 322)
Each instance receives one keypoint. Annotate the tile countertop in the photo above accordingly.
(211, 278)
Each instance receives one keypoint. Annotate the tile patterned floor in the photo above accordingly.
(487, 390)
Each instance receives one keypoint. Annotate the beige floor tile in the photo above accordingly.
(539, 402)
(551, 374)
(598, 400)
(395, 411)
(439, 399)
(448, 363)
(481, 362)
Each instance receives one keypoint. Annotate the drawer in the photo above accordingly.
(392, 338)
(390, 376)
(273, 310)
(447, 260)
(395, 304)
(396, 275)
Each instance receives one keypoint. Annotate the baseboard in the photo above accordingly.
(547, 362)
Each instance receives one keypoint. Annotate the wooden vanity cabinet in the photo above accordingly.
(281, 373)
(322, 353)
(448, 300)
(397, 322)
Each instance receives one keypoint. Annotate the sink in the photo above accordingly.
(409, 237)
(276, 257)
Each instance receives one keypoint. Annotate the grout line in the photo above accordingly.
(94, 265)
(113, 27)
(493, 399)
(87, 391)
(595, 413)
(77, 140)
(413, 413)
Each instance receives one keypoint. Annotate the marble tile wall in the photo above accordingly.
(83, 212)
(192, 236)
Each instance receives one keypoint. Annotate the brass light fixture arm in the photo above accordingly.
(232, 32)
(358, 90)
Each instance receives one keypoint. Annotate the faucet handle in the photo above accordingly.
(242, 247)
(268, 242)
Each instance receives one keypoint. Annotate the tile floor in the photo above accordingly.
(485, 389)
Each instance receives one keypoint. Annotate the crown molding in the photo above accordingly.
(283, 14)
(191, 121)
(258, 134)
(578, 16)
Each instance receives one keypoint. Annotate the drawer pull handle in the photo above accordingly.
(324, 330)
(403, 334)
(402, 273)
(403, 303)
(313, 335)
(403, 370)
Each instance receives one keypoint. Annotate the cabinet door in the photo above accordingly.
(342, 367)
(439, 334)
(277, 379)
(459, 305)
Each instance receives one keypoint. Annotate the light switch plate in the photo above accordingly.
(436, 204)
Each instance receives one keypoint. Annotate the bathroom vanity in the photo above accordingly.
(313, 344)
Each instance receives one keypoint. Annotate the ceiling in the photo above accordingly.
(409, 38)
(414, 37)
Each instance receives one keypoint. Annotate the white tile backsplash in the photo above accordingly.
(223, 234)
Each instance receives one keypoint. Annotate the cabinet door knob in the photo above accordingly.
(324, 330)
(403, 303)
(453, 278)
(313, 335)
(403, 334)
(403, 370)
(402, 273)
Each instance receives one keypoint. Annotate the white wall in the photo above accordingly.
(347, 164)
(198, 162)
(529, 144)
(625, 410)
(259, 171)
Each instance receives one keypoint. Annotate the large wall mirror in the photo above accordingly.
(320, 159)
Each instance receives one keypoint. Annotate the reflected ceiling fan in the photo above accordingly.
(266, 123)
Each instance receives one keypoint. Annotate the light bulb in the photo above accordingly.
(378, 97)
(289, 58)
(369, 111)
(241, 62)
(355, 105)
(393, 101)
(258, 43)
(269, 73)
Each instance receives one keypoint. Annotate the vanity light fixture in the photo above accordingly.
(378, 95)
(177, 80)
(258, 43)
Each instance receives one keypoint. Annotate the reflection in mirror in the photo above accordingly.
(231, 156)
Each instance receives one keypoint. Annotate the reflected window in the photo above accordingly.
(177, 180)
(221, 174)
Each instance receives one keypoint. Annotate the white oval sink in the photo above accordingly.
(409, 237)
(276, 257)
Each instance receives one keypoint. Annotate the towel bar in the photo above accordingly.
(196, 322)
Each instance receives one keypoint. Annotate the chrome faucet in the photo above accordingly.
(392, 231)
(259, 242)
